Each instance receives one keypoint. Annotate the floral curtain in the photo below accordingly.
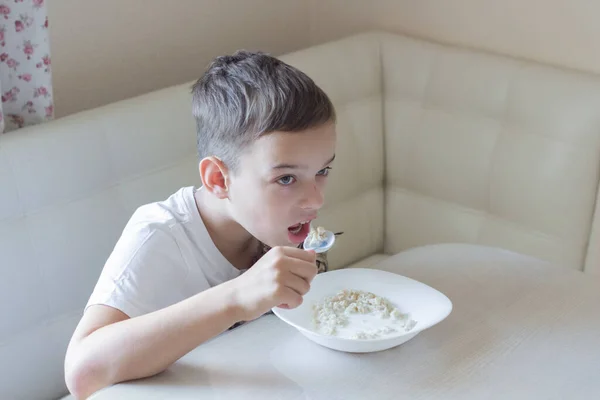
(25, 77)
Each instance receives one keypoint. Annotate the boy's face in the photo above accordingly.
(278, 186)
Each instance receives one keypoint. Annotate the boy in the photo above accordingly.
(180, 273)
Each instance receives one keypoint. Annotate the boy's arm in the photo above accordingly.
(109, 347)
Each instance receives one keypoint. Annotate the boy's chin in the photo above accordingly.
(283, 242)
(279, 243)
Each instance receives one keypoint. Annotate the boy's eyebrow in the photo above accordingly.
(330, 161)
(294, 166)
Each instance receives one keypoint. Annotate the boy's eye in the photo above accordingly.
(324, 171)
(286, 180)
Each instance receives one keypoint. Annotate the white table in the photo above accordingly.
(520, 329)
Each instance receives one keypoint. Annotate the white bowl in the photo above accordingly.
(424, 304)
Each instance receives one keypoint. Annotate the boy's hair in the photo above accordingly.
(248, 94)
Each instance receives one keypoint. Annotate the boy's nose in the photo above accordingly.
(314, 198)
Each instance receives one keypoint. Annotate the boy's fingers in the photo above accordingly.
(306, 255)
(294, 299)
(290, 299)
(306, 270)
(297, 283)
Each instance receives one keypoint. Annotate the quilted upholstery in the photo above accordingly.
(489, 150)
(436, 144)
(68, 188)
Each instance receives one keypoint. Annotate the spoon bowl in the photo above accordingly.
(322, 246)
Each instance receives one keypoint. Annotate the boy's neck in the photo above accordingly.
(236, 244)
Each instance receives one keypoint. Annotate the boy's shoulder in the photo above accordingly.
(161, 226)
(178, 208)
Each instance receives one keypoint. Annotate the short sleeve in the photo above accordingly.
(144, 273)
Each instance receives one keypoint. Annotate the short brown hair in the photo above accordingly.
(248, 94)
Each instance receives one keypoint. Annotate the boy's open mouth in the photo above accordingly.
(297, 233)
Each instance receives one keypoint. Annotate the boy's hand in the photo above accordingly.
(280, 278)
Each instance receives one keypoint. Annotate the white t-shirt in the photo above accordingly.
(165, 255)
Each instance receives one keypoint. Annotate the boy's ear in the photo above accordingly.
(215, 176)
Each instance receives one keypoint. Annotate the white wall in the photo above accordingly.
(107, 50)
(560, 32)
(103, 51)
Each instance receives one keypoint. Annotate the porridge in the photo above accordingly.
(317, 237)
(370, 315)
